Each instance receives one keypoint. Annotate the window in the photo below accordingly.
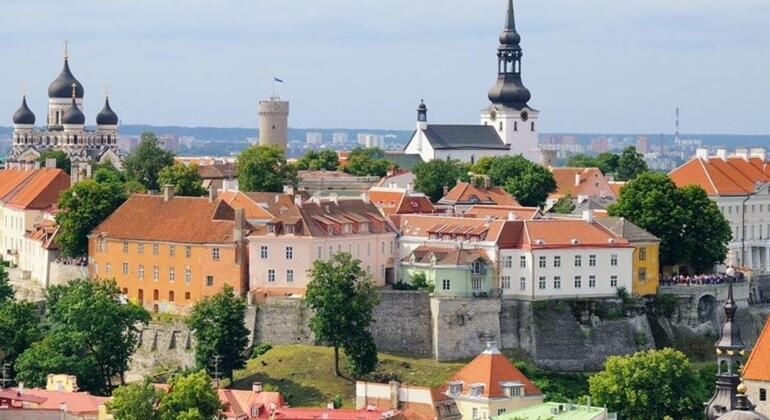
(187, 275)
(557, 282)
(263, 252)
(542, 262)
(125, 268)
(613, 281)
(171, 274)
(578, 282)
(209, 281)
(170, 295)
(186, 295)
(155, 249)
(762, 394)
(125, 247)
(96, 268)
(541, 283)
(512, 390)
(155, 294)
(140, 248)
(271, 276)
(505, 282)
(271, 228)
(500, 411)
(523, 262)
(642, 254)
(446, 284)
(476, 284)
(108, 268)
(578, 261)
(289, 276)
(476, 391)
(455, 388)
(508, 261)
(141, 272)
(171, 250)
(476, 267)
(592, 281)
(642, 274)
(592, 260)
(289, 252)
(188, 251)
(289, 228)
(155, 273)
(614, 260)
(320, 252)
(557, 261)
(215, 254)
(475, 413)
(522, 283)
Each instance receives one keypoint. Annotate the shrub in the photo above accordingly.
(260, 349)
(337, 401)
(403, 286)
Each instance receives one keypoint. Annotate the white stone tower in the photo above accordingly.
(274, 122)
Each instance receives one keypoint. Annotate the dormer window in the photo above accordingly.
(363, 227)
(455, 388)
(289, 228)
(513, 389)
(271, 228)
(347, 227)
(330, 230)
(476, 267)
(476, 390)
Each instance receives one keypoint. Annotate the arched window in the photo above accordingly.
(171, 296)
(515, 126)
(532, 126)
(155, 294)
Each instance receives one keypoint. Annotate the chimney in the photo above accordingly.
(277, 197)
(212, 194)
(238, 235)
(511, 215)
(742, 153)
(394, 391)
(759, 152)
(297, 200)
(288, 189)
(722, 153)
(168, 192)
(487, 182)
(333, 198)
(409, 187)
(446, 190)
(256, 386)
(50, 163)
(365, 197)
(577, 178)
(702, 153)
(588, 216)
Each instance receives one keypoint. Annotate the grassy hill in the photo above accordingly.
(305, 374)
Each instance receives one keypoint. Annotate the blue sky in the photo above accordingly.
(592, 66)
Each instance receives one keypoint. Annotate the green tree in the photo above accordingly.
(315, 161)
(432, 177)
(220, 331)
(651, 384)
(19, 329)
(136, 401)
(94, 334)
(529, 182)
(145, 162)
(581, 161)
(63, 161)
(706, 231)
(264, 169)
(342, 297)
(607, 162)
(185, 179)
(361, 352)
(564, 205)
(191, 396)
(6, 291)
(630, 164)
(82, 208)
(367, 162)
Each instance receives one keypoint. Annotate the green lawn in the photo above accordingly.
(305, 374)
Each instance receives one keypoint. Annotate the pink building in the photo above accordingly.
(282, 251)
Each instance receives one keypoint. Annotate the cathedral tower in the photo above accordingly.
(514, 120)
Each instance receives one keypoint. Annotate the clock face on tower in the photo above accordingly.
(524, 115)
(492, 115)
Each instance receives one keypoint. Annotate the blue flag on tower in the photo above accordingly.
(275, 79)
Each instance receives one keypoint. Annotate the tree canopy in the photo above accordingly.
(82, 208)
(343, 297)
(264, 169)
(220, 331)
(145, 162)
(607, 162)
(6, 291)
(691, 227)
(564, 205)
(185, 179)
(313, 160)
(191, 396)
(63, 161)
(19, 329)
(529, 182)
(367, 162)
(653, 384)
(135, 401)
(430, 178)
(630, 164)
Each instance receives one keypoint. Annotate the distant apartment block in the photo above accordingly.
(314, 138)
(340, 138)
(371, 140)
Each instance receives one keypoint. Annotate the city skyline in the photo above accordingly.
(597, 67)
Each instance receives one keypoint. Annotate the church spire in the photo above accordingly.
(510, 24)
(509, 90)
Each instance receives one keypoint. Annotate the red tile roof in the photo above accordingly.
(181, 219)
(757, 367)
(400, 201)
(717, 176)
(504, 212)
(77, 402)
(252, 209)
(580, 181)
(36, 189)
(492, 369)
(337, 414)
(505, 233)
(465, 193)
(553, 233)
(238, 403)
(45, 232)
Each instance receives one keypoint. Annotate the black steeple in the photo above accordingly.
(730, 350)
(509, 90)
(422, 112)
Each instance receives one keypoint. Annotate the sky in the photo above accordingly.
(592, 66)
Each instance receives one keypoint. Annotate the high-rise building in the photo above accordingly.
(274, 122)
(314, 138)
(371, 140)
(340, 138)
(600, 145)
(642, 144)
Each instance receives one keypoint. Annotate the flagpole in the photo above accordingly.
(273, 87)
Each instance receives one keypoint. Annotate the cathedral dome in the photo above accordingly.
(73, 116)
(24, 115)
(509, 91)
(510, 37)
(107, 116)
(62, 86)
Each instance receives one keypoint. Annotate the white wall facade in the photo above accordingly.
(749, 218)
(514, 130)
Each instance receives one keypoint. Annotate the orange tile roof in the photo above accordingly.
(757, 367)
(492, 369)
(252, 209)
(11, 179)
(503, 212)
(238, 403)
(41, 190)
(44, 232)
(617, 186)
(730, 176)
(464, 193)
(400, 201)
(330, 414)
(557, 233)
(181, 219)
(77, 402)
(578, 181)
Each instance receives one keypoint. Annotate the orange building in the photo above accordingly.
(167, 252)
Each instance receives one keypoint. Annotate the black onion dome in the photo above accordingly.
(24, 115)
(107, 116)
(422, 107)
(509, 91)
(62, 86)
(73, 116)
(509, 36)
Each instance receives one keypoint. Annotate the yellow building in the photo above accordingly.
(646, 263)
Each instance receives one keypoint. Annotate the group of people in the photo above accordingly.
(81, 261)
(697, 280)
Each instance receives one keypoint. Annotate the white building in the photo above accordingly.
(339, 138)
(740, 186)
(314, 138)
(371, 140)
(508, 125)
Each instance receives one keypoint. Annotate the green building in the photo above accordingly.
(557, 411)
(454, 272)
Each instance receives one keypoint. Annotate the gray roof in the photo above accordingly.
(444, 137)
(627, 230)
(591, 203)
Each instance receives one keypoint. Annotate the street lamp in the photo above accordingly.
(730, 273)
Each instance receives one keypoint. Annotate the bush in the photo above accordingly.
(665, 305)
(337, 401)
(260, 349)
(403, 286)
(420, 281)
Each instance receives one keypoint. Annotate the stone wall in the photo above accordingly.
(162, 347)
(402, 323)
(461, 327)
(283, 321)
(60, 274)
